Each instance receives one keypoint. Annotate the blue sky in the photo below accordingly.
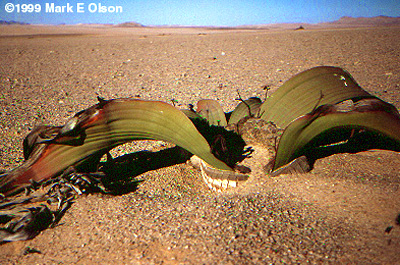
(201, 12)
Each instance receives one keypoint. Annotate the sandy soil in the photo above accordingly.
(339, 213)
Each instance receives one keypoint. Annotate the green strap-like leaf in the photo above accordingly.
(191, 114)
(247, 108)
(370, 114)
(211, 110)
(107, 125)
(308, 90)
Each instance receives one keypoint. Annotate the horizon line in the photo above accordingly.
(12, 22)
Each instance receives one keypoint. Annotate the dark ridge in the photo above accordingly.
(12, 22)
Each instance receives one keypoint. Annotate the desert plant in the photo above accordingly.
(318, 110)
(308, 105)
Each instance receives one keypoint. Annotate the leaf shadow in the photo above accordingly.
(120, 173)
(349, 142)
(226, 145)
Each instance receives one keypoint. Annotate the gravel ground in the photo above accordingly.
(338, 213)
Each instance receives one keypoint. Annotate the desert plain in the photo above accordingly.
(345, 211)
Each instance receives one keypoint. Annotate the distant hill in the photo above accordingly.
(4, 22)
(367, 21)
(130, 24)
(343, 22)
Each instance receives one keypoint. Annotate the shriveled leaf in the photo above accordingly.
(211, 110)
(104, 126)
(217, 179)
(39, 134)
(307, 91)
(28, 225)
(369, 114)
(246, 108)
